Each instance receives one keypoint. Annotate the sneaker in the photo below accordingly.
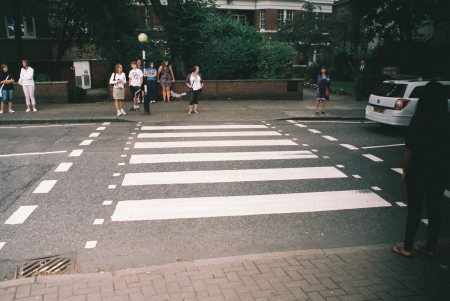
(10, 111)
(119, 113)
(189, 113)
(28, 110)
(34, 110)
(123, 112)
(133, 109)
(1, 111)
(195, 112)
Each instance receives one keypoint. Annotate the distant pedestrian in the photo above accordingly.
(142, 68)
(135, 82)
(426, 167)
(119, 80)
(151, 74)
(7, 88)
(166, 78)
(360, 81)
(323, 89)
(194, 81)
(27, 82)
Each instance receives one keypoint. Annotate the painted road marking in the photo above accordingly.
(399, 170)
(20, 215)
(229, 176)
(237, 156)
(76, 153)
(106, 123)
(401, 204)
(379, 146)
(98, 221)
(101, 128)
(208, 134)
(55, 125)
(314, 131)
(33, 154)
(2, 243)
(93, 135)
(106, 203)
(349, 146)
(301, 125)
(111, 186)
(90, 244)
(425, 221)
(45, 186)
(120, 164)
(160, 209)
(340, 166)
(116, 174)
(291, 121)
(373, 158)
(213, 143)
(202, 127)
(86, 142)
(376, 188)
(330, 138)
(63, 167)
(357, 176)
(447, 194)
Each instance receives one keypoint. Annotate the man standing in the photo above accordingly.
(135, 83)
(360, 81)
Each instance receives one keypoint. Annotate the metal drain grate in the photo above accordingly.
(45, 266)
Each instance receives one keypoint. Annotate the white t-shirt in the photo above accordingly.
(117, 85)
(135, 75)
(196, 81)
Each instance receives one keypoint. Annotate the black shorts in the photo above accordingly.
(135, 91)
(193, 97)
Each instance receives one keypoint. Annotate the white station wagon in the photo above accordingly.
(394, 101)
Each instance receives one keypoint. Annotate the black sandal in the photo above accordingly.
(317, 113)
(323, 113)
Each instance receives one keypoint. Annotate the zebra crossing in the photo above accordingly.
(156, 141)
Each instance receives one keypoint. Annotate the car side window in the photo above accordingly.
(416, 92)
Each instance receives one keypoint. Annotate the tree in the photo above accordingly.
(273, 58)
(305, 32)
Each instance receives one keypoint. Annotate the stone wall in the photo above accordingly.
(44, 92)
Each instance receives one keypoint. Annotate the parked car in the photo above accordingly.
(394, 101)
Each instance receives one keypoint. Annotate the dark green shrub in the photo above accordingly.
(272, 60)
(76, 94)
(41, 77)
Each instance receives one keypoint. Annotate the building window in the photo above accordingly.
(283, 16)
(316, 56)
(148, 14)
(240, 18)
(262, 19)
(28, 27)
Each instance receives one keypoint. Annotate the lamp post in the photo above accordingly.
(143, 38)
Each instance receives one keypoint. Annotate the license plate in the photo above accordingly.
(378, 110)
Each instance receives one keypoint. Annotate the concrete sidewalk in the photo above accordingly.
(339, 107)
(366, 273)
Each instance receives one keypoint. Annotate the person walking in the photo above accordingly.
(166, 79)
(151, 75)
(118, 80)
(360, 81)
(194, 81)
(426, 165)
(7, 88)
(323, 89)
(135, 82)
(27, 82)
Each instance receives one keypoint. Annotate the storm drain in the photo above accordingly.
(46, 266)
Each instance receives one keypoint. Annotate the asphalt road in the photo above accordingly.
(72, 215)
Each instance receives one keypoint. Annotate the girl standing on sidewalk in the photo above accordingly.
(7, 88)
(166, 79)
(323, 85)
(118, 80)
(27, 82)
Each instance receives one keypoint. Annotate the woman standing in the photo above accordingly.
(166, 79)
(27, 82)
(7, 88)
(151, 75)
(426, 167)
(194, 80)
(323, 85)
(118, 80)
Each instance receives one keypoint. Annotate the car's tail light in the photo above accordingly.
(400, 104)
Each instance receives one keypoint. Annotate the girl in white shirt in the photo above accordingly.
(119, 80)
(27, 82)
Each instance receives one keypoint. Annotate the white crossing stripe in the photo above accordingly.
(160, 209)
(202, 127)
(2, 243)
(376, 188)
(101, 128)
(373, 158)
(447, 194)
(213, 143)
(349, 146)
(208, 134)
(291, 121)
(399, 170)
(63, 167)
(401, 204)
(314, 131)
(98, 221)
(301, 125)
(86, 142)
(45, 186)
(91, 244)
(106, 123)
(330, 138)
(205, 157)
(76, 153)
(228, 176)
(93, 135)
(357, 176)
(107, 203)
(20, 215)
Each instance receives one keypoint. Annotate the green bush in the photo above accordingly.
(272, 60)
(76, 94)
(41, 77)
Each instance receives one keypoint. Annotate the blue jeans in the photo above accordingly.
(151, 89)
(7, 95)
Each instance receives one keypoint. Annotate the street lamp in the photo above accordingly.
(143, 38)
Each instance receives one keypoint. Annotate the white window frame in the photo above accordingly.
(238, 18)
(24, 27)
(284, 15)
(262, 19)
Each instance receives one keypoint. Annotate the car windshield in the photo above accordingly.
(390, 90)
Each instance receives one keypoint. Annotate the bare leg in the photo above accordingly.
(164, 94)
(168, 93)
(121, 104)
(323, 106)
(317, 105)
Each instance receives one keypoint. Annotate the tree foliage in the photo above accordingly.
(272, 60)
